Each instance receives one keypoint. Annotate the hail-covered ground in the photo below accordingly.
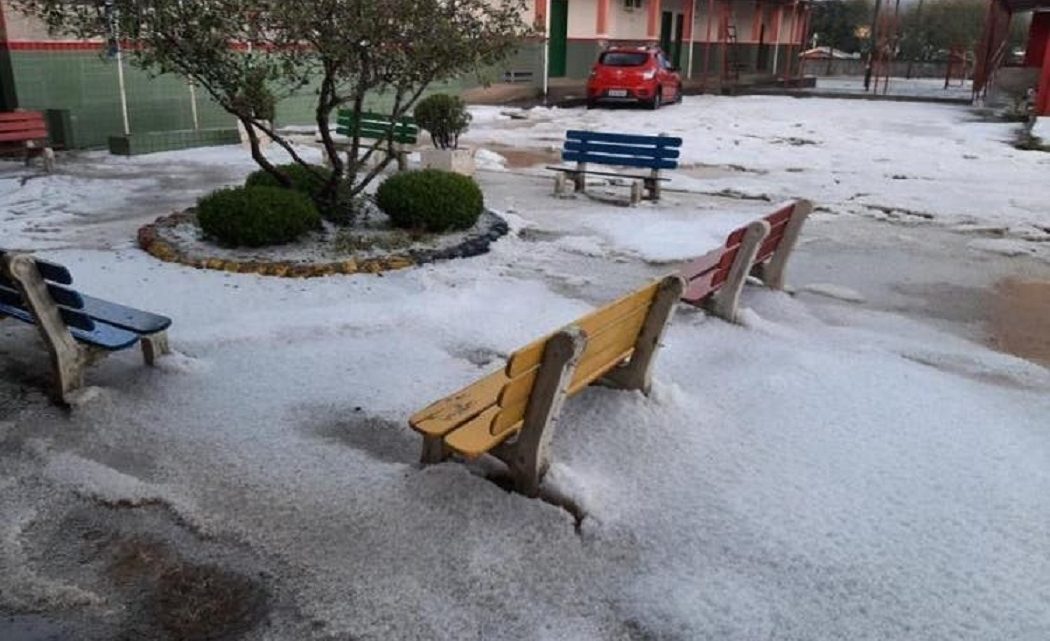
(853, 461)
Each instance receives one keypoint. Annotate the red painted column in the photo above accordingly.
(687, 22)
(1042, 99)
(541, 15)
(601, 26)
(652, 27)
(756, 22)
(1038, 38)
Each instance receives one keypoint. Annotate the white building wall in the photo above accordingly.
(627, 24)
(632, 24)
(583, 18)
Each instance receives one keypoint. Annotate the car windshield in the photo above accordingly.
(623, 58)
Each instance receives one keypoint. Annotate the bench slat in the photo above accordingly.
(441, 417)
(7, 116)
(622, 150)
(51, 271)
(781, 216)
(769, 247)
(701, 266)
(23, 125)
(347, 114)
(618, 161)
(700, 288)
(602, 353)
(707, 274)
(379, 135)
(530, 356)
(129, 318)
(347, 123)
(11, 303)
(475, 438)
(628, 139)
(61, 295)
(405, 130)
(24, 136)
(621, 335)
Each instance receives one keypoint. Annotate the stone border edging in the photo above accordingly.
(150, 241)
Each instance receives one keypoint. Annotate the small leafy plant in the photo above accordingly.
(444, 117)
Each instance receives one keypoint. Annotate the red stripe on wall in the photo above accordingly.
(50, 45)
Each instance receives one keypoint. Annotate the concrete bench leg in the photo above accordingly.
(68, 360)
(652, 185)
(724, 302)
(49, 160)
(561, 184)
(154, 346)
(637, 186)
(580, 177)
(434, 450)
(772, 273)
(529, 456)
(637, 373)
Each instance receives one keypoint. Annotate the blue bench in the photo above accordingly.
(77, 329)
(618, 150)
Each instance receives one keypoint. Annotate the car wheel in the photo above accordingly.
(591, 104)
(657, 99)
(678, 96)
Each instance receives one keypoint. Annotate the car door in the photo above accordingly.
(666, 78)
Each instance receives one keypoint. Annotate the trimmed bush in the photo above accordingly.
(305, 182)
(445, 117)
(302, 179)
(431, 200)
(256, 216)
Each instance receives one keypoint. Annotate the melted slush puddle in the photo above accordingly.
(1020, 319)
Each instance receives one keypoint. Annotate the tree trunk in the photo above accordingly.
(258, 156)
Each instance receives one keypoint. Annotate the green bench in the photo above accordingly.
(372, 126)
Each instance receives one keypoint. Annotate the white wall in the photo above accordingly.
(628, 25)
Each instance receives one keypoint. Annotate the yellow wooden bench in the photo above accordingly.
(511, 413)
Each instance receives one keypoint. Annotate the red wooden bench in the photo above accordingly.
(26, 131)
(761, 249)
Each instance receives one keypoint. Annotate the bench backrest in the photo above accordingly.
(624, 150)
(70, 303)
(22, 126)
(497, 403)
(707, 274)
(611, 333)
(778, 224)
(375, 126)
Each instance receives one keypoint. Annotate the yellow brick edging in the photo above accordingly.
(149, 240)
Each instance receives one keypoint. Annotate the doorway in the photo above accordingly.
(559, 35)
(672, 26)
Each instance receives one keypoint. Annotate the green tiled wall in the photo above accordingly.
(85, 84)
(579, 57)
(152, 142)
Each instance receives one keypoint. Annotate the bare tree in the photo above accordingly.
(250, 54)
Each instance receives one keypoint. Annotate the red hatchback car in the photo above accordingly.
(634, 75)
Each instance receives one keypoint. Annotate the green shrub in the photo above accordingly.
(306, 182)
(303, 180)
(256, 216)
(445, 117)
(431, 200)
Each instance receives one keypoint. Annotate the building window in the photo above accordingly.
(631, 5)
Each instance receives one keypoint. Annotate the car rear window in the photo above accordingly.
(623, 58)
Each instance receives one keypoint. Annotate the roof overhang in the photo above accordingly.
(1021, 6)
